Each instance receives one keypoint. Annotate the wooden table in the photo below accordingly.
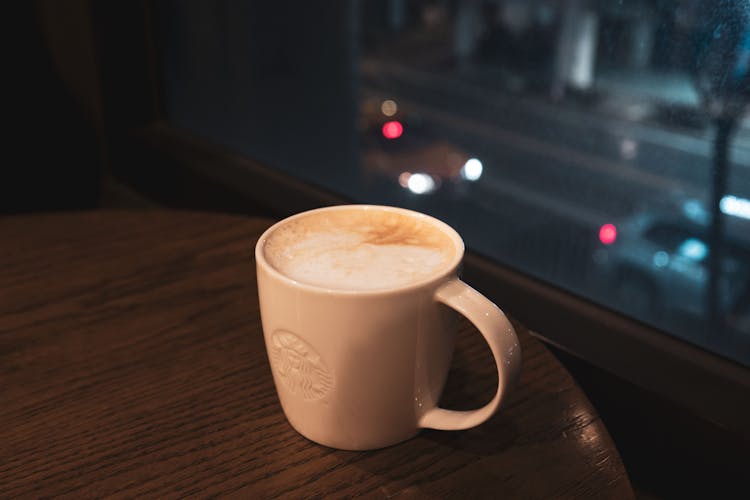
(132, 364)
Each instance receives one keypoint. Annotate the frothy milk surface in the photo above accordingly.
(359, 249)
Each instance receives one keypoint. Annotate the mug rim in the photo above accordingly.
(438, 277)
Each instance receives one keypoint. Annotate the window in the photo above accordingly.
(553, 136)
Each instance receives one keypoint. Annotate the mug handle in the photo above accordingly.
(500, 336)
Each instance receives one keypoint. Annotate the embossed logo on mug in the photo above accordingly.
(300, 368)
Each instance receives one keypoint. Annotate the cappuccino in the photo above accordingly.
(360, 249)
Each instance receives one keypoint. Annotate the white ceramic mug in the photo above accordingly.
(365, 369)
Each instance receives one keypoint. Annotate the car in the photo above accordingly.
(656, 260)
(399, 145)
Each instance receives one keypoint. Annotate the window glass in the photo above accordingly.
(603, 147)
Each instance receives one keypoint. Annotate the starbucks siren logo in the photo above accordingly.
(299, 367)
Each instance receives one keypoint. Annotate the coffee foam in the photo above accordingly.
(359, 249)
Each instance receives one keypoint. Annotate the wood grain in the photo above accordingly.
(132, 364)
